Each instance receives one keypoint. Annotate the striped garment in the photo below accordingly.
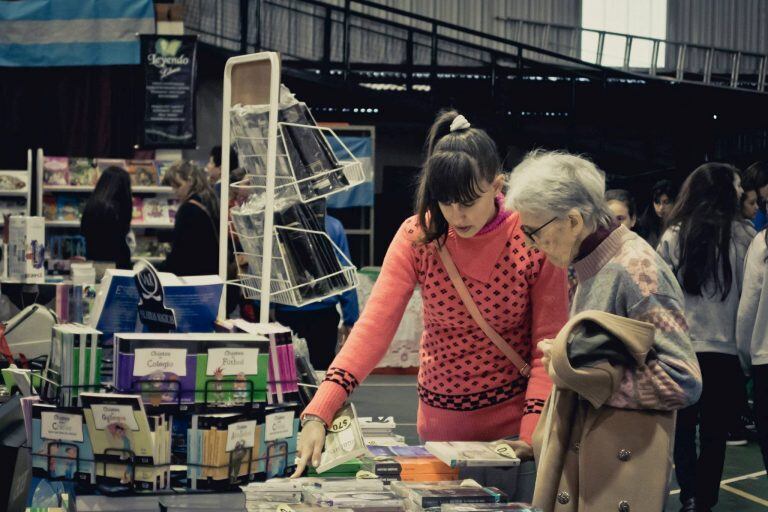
(625, 276)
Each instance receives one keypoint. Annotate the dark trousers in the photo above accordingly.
(760, 394)
(319, 327)
(699, 476)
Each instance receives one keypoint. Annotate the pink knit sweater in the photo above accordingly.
(468, 389)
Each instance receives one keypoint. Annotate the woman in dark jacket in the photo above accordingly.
(107, 219)
(195, 243)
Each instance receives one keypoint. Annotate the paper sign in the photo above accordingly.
(61, 427)
(147, 361)
(240, 435)
(109, 414)
(279, 426)
(233, 361)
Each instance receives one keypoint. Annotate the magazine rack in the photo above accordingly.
(254, 164)
(255, 80)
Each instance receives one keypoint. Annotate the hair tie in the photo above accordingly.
(460, 123)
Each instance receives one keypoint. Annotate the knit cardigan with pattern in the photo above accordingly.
(624, 276)
(468, 389)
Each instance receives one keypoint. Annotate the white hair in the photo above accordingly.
(555, 182)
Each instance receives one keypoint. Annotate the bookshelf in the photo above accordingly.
(16, 190)
(62, 194)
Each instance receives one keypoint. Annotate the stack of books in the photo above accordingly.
(73, 365)
(424, 496)
(233, 448)
(131, 449)
(474, 454)
(408, 463)
(211, 369)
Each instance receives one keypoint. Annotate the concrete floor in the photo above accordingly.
(744, 487)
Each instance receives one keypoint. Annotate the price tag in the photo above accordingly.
(365, 475)
(505, 451)
(340, 424)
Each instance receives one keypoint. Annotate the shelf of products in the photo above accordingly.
(65, 183)
(89, 189)
(16, 190)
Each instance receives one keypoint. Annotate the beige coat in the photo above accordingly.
(598, 458)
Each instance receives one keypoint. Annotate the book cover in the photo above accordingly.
(12, 206)
(26, 249)
(49, 207)
(282, 378)
(437, 494)
(69, 207)
(56, 170)
(14, 181)
(162, 167)
(61, 446)
(137, 213)
(232, 369)
(344, 440)
(228, 447)
(121, 437)
(474, 454)
(156, 210)
(143, 173)
(103, 163)
(279, 439)
(83, 172)
(159, 367)
(194, 299)
(173, 208)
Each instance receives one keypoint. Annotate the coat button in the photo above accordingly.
(563, 498)
(576, 447)
(623, 506)
(624, 455)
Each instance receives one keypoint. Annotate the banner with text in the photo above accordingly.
(170, 69)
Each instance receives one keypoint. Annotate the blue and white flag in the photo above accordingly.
(36, 33)
(362, 149)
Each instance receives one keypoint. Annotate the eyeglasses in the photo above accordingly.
(530, 233)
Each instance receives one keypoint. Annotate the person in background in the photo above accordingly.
(469, 388)
(752, 331)
(651, 224)
(749, 200)
(213, 167)
(318, 323)
(106, 219)
(622, 204)
(195, 238)
(705, 246)
(561, 202)
(757, 175)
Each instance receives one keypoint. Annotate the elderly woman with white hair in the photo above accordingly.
(624, 361)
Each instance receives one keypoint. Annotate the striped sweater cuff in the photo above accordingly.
(330, 397)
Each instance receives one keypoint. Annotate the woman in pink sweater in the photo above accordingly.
(468, 389)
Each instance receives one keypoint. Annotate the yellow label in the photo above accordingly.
(506, 451)
(284, 508)
(340, 424)
(365, 475)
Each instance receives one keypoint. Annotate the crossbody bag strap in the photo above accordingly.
(466, 298)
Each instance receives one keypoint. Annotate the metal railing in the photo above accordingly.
(343, 39)
(691, 62)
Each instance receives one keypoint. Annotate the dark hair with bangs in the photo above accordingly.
(458, 162)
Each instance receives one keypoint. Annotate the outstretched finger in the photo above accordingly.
(301, 465)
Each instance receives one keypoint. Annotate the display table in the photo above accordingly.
(404, 350)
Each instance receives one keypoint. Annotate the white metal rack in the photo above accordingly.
(255, 80)
(18, 176)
